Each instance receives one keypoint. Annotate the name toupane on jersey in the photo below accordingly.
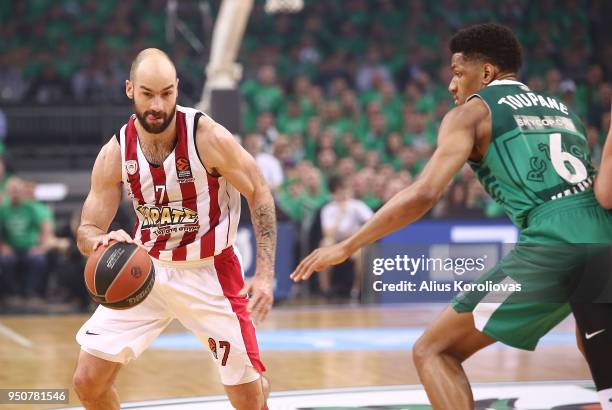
(184, 213)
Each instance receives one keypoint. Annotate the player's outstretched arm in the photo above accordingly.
(222, 154)
(102, 201)
(456, 139)
(603, 182)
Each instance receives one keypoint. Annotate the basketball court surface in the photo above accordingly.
(566, 396)
(317, 358)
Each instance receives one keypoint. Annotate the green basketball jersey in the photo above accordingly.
(538, 150)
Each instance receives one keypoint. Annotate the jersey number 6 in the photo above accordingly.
(559, 158)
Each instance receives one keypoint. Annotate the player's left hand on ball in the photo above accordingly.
(119, 235)
(262, 295)
(320, 259)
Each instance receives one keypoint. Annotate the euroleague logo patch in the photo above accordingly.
(183, 169)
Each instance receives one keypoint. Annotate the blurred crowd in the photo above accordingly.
(358, 89)
(41, 268)
(353, 89)
(73, 51)
(30, 251)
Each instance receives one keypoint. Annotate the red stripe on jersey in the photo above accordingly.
(229, 274)
(136, 224)
(188, 188)
(207, 244)
(159, 180)
(131, 154)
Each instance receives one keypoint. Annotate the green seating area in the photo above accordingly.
(350, 87)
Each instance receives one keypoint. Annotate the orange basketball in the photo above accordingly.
(120, 275)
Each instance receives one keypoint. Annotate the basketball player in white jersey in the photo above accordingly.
(184, 173)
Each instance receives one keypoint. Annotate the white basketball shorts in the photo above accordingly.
(204, 299)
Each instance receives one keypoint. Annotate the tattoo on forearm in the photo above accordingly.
(264, 224)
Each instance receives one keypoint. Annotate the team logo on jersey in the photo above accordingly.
(183, 169)
(131, 166)
(157, 216)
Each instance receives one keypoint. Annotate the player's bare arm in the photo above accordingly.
(603, 182)
(456, 143)
(222, 155)
(102, 201)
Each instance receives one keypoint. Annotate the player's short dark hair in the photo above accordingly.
(336, 183)
(493, 43)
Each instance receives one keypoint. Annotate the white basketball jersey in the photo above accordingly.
(184, 213)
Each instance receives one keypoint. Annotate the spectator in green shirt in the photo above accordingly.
(350, 106)
(290, 200)
(362, 184)
(372, 159)
(391, 106)
(316, 192)
(347, 168)
(375, 137)
(332, 117)
(410, 160)
(416, 133)
(291, 121)
(393, 146)
(264, 95)
(301, 90)
(27, 233)
(357, 152)
(326, 160)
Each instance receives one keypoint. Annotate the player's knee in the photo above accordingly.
(265, 386)
(248, 402)
(248, 396)
(87, 386)
(421, 352)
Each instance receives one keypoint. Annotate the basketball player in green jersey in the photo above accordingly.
(603, 314)
(603, 184)
(530, 153)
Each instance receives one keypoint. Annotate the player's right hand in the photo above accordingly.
(119, 236)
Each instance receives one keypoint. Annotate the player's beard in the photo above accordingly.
(152, 128)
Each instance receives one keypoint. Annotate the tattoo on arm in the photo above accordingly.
(264, 224)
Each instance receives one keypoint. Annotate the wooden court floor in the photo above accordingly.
(157, 374)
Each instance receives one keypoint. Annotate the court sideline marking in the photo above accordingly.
(15, 337)
(568, 395)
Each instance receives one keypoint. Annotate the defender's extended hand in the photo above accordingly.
(320, 259)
